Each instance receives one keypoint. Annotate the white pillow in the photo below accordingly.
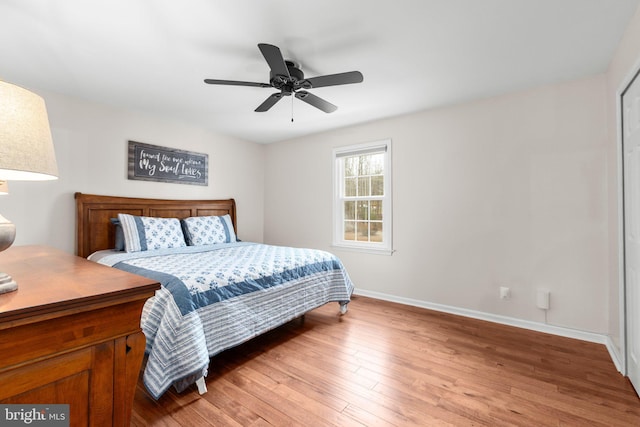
(142, 233)
(208, 230)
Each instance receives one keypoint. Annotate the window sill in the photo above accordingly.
(365, 250)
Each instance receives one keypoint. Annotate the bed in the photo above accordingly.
(217, 291)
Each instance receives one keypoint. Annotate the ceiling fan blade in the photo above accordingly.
(274, 58)
(235, 83)
(269, 102)
(316, 101)
(335, 79)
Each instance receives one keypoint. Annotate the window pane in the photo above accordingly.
(363, 231)
(376, 210)
(376, 164)
(350, 166)
(364, 164)
(377, 185)
(376, 232)
(349, 230)
(350, 187)
(364, 189)
(349, 210)
(363, 210)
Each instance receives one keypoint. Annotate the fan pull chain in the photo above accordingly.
(292, 109)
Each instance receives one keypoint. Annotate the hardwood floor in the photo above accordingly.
(386, 364)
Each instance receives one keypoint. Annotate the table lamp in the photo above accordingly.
(26, 152)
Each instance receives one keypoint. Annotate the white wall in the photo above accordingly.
(91, 148)
(505, 191)
(625, 61)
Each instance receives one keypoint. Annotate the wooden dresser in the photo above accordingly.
(71, 334)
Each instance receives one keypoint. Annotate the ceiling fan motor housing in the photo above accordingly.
(291, 83)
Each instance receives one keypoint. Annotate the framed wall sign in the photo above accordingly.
(154, 163)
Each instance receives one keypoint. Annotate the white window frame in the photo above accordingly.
(386, 246)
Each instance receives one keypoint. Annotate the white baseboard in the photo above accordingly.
(505, 320)
(615, 356)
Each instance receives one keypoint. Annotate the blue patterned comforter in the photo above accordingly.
(216, 297)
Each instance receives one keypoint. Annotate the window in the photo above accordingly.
(362, 196)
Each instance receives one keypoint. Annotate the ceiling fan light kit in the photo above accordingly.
(287, 77)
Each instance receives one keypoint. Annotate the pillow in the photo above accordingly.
(208, 230)
(142, 233)
(119, 246)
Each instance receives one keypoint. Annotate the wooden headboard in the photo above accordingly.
(95, 232)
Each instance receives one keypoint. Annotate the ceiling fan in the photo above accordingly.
(287, 77)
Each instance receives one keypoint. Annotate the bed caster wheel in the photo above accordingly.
(343, 308)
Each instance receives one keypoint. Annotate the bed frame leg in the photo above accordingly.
(202, 386)
(344, 306)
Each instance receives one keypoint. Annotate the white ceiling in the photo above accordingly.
(152, 56)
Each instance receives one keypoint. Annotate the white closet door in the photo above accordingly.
(631, 150)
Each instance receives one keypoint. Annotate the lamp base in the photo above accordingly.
(7, 284)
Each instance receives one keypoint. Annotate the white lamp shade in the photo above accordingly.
(26, 146)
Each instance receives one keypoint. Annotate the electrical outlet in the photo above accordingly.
(505, 293)
(543, 299)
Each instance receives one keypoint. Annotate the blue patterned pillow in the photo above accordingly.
(208, 230)
(119, 245)
(142, 233)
